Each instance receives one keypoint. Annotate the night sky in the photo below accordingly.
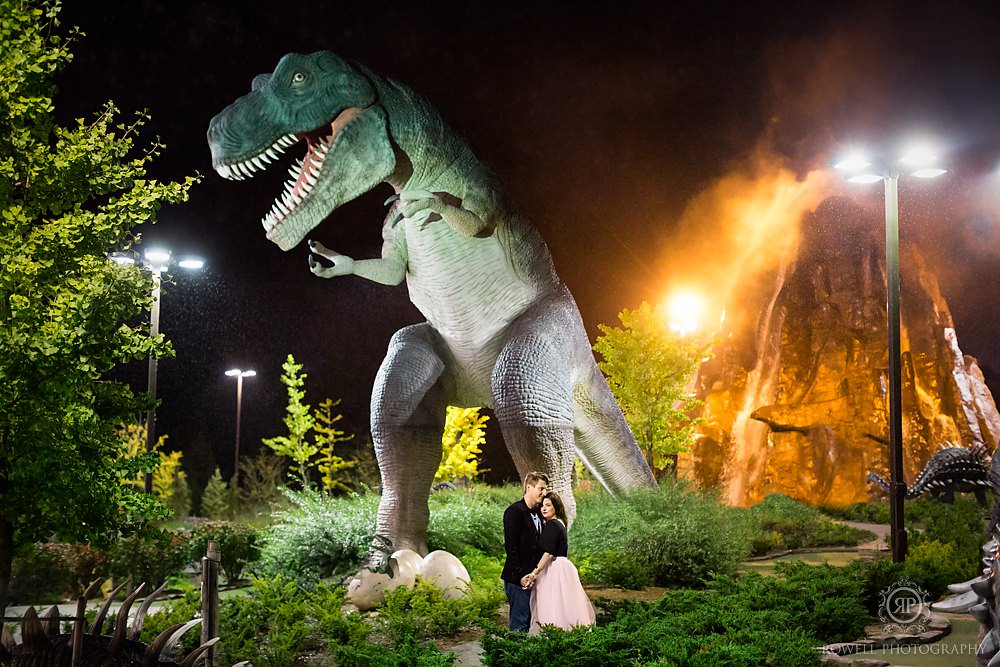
(640, 138)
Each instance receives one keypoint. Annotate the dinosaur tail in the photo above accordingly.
(604, 441)
(878, 479)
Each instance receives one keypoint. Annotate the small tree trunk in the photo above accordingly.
(6, 561)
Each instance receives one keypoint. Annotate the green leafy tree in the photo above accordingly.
(68, 316)
(648, 367)
(327, 436)
(298, 420)
(462, 441)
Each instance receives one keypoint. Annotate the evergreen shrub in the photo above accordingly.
(740, 622)
(785, 523)
(238, 545)
(319, 536)
(150, 556)
(680, 535)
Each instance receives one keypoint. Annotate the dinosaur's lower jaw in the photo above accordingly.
(305, 175)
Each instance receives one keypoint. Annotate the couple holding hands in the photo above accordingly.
(542, 585)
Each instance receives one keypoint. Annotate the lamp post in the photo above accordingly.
(921, 164)
(156, 261)
(239, 375)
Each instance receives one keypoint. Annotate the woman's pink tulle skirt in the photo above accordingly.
(559, 598)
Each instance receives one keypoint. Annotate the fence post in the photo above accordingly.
(210, 598)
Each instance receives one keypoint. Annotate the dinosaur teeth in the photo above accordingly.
(311, 179)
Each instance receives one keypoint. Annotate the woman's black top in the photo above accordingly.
(553, 540)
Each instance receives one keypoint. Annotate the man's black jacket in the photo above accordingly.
(520, 541)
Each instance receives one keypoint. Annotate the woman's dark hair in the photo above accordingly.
(557, 505)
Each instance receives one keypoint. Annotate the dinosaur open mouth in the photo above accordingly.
(304, 173)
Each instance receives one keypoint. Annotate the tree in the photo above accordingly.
(68, 316)
(311, 437)
(328, 435)
(296, 445)
(170, 484)
(462, 440)
(648, 369)
(216, 498)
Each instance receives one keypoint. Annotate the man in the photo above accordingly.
(522, 526)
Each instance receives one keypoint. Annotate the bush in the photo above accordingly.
(322, 536)
(424, 612)
(742, 622)
(933, 565)
(279, 622)
(151, 557)
(238, 545)
(41, 577)
(318, 537)
(679, 536)
(862, 512)
(470, 517)
(785, 523)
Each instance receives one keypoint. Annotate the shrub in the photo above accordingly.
(785, 523)
(238, 545)
(42, 576)
(742, 622)
(470, 517)
(150, 556)
(863, 512)
(933, 565)
(323, 536)
(681, 536)
(318, 537)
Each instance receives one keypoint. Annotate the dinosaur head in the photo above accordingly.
(328, 105)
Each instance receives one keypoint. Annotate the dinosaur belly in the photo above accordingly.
(469, 292)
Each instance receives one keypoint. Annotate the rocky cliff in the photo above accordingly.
(795, 395)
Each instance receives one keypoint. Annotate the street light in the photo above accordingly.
(156, 261)
(239, 375)
(919, 162)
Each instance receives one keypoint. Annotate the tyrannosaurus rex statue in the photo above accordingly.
(502, 330)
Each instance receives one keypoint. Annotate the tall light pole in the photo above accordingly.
(239, 375)
(921, 164)
(156, 261)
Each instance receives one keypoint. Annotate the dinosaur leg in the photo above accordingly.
(407, 415)
(545, 393)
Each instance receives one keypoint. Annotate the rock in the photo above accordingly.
(794, 395)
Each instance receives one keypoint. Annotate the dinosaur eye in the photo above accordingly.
(298, 77)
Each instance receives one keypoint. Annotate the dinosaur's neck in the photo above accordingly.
(428, 152)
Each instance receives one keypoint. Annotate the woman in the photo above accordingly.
(559, 598)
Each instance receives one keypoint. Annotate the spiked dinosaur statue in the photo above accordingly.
(502, 330)
(43, 644)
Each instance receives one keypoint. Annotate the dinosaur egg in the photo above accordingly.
(447, 571)
(404, 565)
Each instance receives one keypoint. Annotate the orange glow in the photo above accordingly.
(684, 312)
(740, 227)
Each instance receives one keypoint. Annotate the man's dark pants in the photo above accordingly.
(520, 606)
